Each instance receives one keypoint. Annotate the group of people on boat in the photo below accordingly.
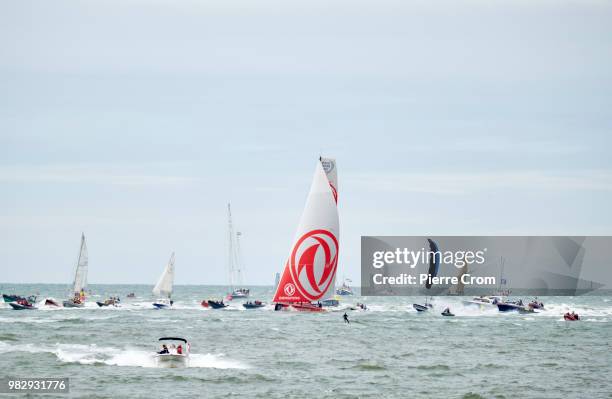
(172, 349)
(573, 316)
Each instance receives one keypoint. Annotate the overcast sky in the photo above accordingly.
(137, 121)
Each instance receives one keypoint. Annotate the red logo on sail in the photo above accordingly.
(289, 289)
(334, 192)
(313, 263)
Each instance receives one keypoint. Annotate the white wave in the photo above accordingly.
(128, 357)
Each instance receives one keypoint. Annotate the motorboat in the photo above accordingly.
(421, 308)
(535, 304)
(216, 304)
(73, 303)
(330, 303)
(510, 306)
(253, 305)
(447, 313)
(109, 302)
(174, 352)
(571, 316)
(484, 300)
(22, 304)
(240, 293)
(51, 302)
(15, 298)
(163, 303)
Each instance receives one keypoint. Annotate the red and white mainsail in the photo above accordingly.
(310, 270)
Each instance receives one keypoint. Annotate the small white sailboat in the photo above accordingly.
(235, 268)
(80, 278)
(310, 271)
(165, 284)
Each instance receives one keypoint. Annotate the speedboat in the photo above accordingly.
(327, 303)
(447, 312)
(174, 353)
(163, 303)
(490, 300)
(22, 304)
(510, 306)
(215, 304)
(536, 305)
(73, 303)
(571, 316)
(51, 302)
(421, 308)
(109, 302)
(253, 305)
(16, 298)
(240, 293)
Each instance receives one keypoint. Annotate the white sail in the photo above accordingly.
(80, 276)
(166, 280)
(310, 271)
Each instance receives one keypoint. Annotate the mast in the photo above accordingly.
(230, 249)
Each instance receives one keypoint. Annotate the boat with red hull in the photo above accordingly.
(309, 275)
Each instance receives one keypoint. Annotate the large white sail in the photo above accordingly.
(80, 276)
(310, 270)
(166, 280)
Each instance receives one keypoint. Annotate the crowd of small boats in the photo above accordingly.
(502, 303)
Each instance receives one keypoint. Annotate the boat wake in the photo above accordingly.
(127, 357)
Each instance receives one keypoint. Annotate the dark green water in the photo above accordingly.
(387, 351)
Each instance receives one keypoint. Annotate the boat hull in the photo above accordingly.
(508, 307)
(18, 306)
(51, 302)
(11, 298)
(344, 292)
(330, 303)
(253, 305)
(72, 304)
(216, 305)
(157, 305)
(171, 360)
(300, 307)
(420, 308)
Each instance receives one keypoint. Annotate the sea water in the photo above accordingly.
(388, 351)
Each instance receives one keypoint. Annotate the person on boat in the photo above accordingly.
(346, 319)
(179, 350)
(446, 311)
(164, 350)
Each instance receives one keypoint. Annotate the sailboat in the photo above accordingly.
(310, 271)
(80, 278)
(164, 286)
(234, 261)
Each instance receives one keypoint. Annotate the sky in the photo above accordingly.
(136, 122)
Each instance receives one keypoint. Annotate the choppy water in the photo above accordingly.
(387, 351)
